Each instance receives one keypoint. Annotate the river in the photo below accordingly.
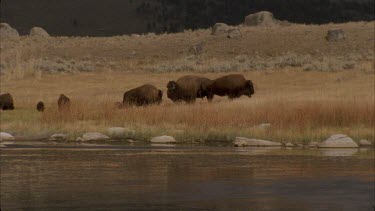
(166, 177)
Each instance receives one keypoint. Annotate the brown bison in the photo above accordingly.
(40, 106)
(6, 102)
(186, 88)
(143, 96)
(63, 102)
(233, 86)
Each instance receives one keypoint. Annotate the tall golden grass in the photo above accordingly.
(300, 106)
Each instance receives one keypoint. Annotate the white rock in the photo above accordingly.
(94, 136)
(338, 141)
(79, 139)
(365, 143)
(263, 18)
(313, 144)
(243, 142)
(39, 32)
(163, 139)
(264, 126)
(234, 32)
(289, 144)
(6, 137)
(120, 132)
(58, 137)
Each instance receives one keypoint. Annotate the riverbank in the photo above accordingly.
(299, 107)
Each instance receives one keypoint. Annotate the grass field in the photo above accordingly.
(300, 106)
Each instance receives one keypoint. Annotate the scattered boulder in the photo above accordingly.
(334, 35)
(264, 126)
(6, 137)
(247, 142)
(58, 137)
(163, 139)
(313, 144)
(120, 132)
(94, 136)
(365, 143)
(8, 33)
(338, 141)
(289, 144)
(263, 18)
(6, 102)
(38, 32)
(234, 32)
(220, 28)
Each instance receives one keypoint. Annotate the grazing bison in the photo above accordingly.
(143, 95)
(233, 86)
(63, 102)
(40, 106)
(6, 102)
(186, 88)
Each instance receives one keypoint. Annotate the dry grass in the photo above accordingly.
(301, 106)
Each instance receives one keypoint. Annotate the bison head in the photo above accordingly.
(172, 92)
(249, 88)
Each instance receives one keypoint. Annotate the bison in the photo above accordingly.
(142, 96)
(63, 102)
(186, 88)
(40, 106)
(6, 102)
(233, 86)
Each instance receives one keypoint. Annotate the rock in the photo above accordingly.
(120, 132)
(163, 139)
(38, 32)
(243, 142)
(6, 137)
(220, 28)
(289, 144)
(94, 136)
(338, 141)
(58, 137)
(79, 139)
(233, 33)
(334, 35)
(8, 33)
(313, 144)
(264, 126)
(263, 18)
(365, 143)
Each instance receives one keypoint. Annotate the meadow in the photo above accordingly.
(300, 106)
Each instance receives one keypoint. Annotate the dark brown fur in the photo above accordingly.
(233, 86)
(40, 106)
(142, 96)
(63, 102)
(6, 102)
(186, 88)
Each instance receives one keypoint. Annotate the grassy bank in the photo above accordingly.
(300, 106)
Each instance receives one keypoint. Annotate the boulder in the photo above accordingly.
(79, 139)
(334, 35)
(6, 137)
(338, 141)
(7, 32)
(94, 136)
(220, 28)
(264, 126)
(120, 132)
(234, 33)
(58, 137)
(365, 143)
(313, 144)
(243, 142)
(38, 32)
(163, 139)
(289, 144)
(263, 18)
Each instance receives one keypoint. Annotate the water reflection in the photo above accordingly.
(185, 178)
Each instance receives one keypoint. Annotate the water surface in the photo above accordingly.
(106, 177)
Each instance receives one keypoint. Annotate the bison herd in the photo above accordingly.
(185, 89)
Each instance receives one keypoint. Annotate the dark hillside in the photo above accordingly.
(116, 17)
